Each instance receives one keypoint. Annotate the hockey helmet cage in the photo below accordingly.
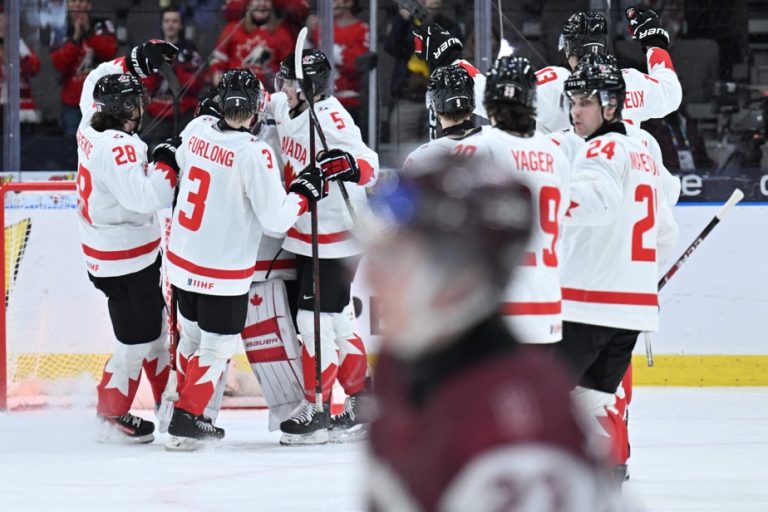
(317, 71)
(511, 80)
(583, 33)
(119, 95)
(240, 90)
(598, 74)
(451, 89)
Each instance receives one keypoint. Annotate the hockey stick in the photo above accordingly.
(171, 393)
(419, 13)
(313, 214)
(736, 196)
(309, 96)
(609, 28)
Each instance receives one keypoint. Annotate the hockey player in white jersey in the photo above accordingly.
(118, 195)
(648, 96)
(617, 224)
(451, 95)
(229, 193)
(531, 304)
(348, 159)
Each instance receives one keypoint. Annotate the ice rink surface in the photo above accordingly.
(693, 449)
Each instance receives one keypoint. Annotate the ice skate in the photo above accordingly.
(306, 425)
(348, 426)
(188, 432)
(126, 429)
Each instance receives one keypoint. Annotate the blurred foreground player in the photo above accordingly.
(467, 418)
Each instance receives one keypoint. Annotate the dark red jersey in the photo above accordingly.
(483, 425)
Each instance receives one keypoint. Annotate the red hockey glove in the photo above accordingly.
(338, 165)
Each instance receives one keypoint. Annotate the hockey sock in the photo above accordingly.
(189, 342)
(120, 379)
(204, 369)
(157, 365)
(305, 319)
(353, 361)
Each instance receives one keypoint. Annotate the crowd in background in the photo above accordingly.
(62, 40)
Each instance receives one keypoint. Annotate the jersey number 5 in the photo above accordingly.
(196, 199)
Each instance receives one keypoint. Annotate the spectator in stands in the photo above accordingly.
(682, 146)
(88, 43)
(258, 42)
(292, 12)
(350, 37)
(30, 66)
(186, 66)
(408, 119)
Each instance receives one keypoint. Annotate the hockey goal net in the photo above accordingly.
(55, 333)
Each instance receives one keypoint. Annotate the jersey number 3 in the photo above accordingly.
(196, 199)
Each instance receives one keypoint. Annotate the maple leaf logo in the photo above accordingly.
(288, 175)
(257, 300)
(571, 206)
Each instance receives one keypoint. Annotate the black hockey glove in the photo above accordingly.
(166, 152)
(209, 105)
(310, 184)
(645, 27)
(337, 164)
(146, 58)
(436, 45)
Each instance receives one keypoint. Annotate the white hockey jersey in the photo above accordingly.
(439, 148)
(229, 193)
(617, 222)
(648, 96)
(532, 302)
(334, 221)
(118, 192)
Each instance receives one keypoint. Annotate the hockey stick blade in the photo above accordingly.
(736, 196)
(299, 50)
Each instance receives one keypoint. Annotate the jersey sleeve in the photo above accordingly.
(134, 188)
(276, 210)
(87, 106)
(551, 113)
(342, 133)
(596, 184)
(661, 89)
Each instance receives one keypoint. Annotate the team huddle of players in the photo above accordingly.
(584, 286)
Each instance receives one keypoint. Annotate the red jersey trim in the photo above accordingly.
(125, 254)
(215, 273)
(327, 238)
(600, 297)
(366, 171)
(472, 70)
(531, 308)
(277, 265)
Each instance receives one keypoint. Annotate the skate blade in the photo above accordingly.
(349, 435)
(183, 444)
(316, 437)
(115, 436)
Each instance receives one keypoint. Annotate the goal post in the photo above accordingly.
(55, 331)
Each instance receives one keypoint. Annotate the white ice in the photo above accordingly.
(693, 449)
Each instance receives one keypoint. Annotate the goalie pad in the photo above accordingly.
(273, 349)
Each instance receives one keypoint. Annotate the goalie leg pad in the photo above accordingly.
(273, 349)
(305, 319)
(120, 379)
(353, 360)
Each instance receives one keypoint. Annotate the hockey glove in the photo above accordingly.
(146, 58)
(209, 105)
(645, 26)
(166, 152)
(337, 164)
(436, 45)
(310, 184)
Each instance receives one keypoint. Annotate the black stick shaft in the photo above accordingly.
(316, 281)
(687, 254)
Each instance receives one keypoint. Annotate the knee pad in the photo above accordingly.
(306, 321)
(220, 347)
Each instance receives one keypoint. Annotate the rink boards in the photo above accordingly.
(712, 312)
